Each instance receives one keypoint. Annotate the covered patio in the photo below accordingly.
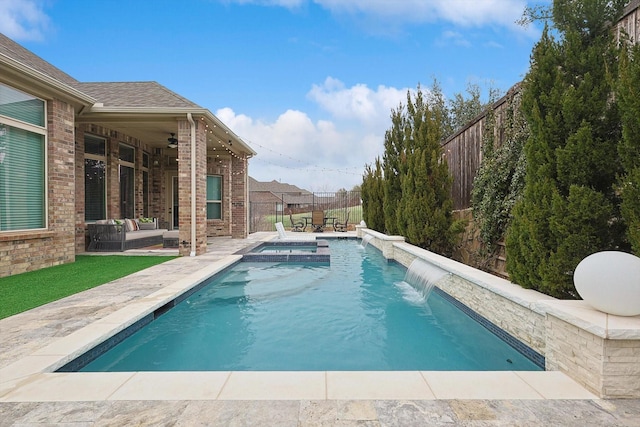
(189, 169)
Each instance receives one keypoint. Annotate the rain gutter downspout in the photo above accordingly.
(193, 185)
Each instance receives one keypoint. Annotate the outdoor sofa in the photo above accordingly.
(112, 235)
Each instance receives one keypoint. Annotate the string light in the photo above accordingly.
(302, 165)
(305, 165)
(355, 171)
(302, 162)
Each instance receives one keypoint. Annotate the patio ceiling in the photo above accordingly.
(154, 125)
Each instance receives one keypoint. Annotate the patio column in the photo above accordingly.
(185, 190)
(239, 196)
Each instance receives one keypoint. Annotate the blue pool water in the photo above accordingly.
(286, 249)
(354, 314)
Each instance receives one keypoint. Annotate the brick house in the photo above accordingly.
(284, 196)
(72, 153)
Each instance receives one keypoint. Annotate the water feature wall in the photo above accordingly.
(599, 351)
(379, 240)
(505, 304)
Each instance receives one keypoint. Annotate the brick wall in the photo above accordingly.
(32, 250)
(185, 189)
(113, 141)
(234, 192)
(81, 236)
(239, 196)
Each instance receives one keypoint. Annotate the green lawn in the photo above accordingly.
(355, 215)
(32, 289)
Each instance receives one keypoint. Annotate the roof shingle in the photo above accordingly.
(135, 94)
(111, 94)
(13, 50)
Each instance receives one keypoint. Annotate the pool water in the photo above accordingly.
(354, 314)
(286, 249)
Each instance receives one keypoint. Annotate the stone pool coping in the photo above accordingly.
(29, 377)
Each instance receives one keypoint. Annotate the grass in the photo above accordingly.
(355, 215)
(35, 288)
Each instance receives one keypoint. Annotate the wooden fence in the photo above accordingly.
(463, 149)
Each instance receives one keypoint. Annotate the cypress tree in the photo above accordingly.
(569, 206)
(394, 141)
(372, 191)
(424, 214)
(629, 148)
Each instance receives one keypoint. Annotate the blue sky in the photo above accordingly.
(309, 84)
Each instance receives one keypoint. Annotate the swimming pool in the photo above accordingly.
(353, 314)
(316, 251)
(287, 249)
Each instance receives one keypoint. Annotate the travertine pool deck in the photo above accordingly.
(34, 341)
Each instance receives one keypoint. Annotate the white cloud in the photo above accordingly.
(23, 19)
(455, 38)
(283, 3)
(321, 155)
(369, 107)
(467, 13)
(459, 12)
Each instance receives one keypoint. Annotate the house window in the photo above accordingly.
(145, 185)
(214, 197)
(95, 194)
(127, 178)
(22, 161)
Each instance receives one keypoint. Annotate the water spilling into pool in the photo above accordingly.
(356, 313)
(423, 276)
(365, 240)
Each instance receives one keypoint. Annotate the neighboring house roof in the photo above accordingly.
(135, 94)
(303, 199)
(275, 187)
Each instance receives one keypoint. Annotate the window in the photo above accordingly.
(127, 178)
(214, 197)
(22, 161)
(95, 194)
(21, 106)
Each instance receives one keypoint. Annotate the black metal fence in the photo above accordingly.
(340, 206)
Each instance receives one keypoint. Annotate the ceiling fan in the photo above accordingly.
(173, 141)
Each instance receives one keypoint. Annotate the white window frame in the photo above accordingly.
(219, 202)
(102, 158)
(40, 130)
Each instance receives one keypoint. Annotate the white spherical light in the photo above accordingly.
(610, 282)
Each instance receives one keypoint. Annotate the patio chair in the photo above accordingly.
(317, 221)
(297, 224)
(281, 233)
(341, 226)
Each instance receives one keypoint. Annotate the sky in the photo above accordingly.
(308, 84)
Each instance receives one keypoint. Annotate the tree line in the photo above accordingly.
(564, 182)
